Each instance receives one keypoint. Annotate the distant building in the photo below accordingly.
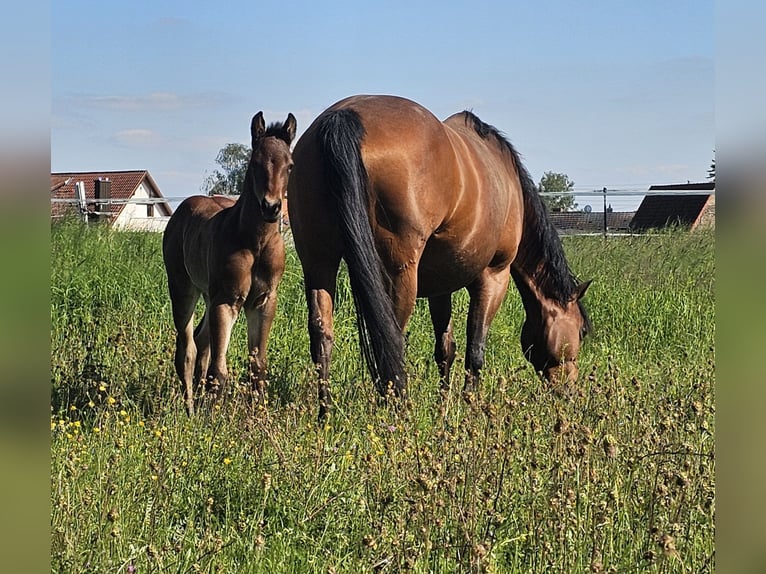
(113, 196)
(581, 222)
(689, 205)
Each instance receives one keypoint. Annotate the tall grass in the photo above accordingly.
(616, 475)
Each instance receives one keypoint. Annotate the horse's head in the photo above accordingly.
(551, 339)
(270, 164)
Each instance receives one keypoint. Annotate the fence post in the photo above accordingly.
(605, 226)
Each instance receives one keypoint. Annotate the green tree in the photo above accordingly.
(233, 159)
(552, 183)
(711, 171)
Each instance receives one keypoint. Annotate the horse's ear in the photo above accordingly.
(289, 128)
(257, 127)
(581, 289)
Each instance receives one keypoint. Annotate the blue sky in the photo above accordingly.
(613, 93)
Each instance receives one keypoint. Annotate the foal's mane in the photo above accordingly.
(540, 255)
(276, 129)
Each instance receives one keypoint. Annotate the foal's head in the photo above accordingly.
(551, 339)
(270, 164)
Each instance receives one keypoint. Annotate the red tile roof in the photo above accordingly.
(123, 185)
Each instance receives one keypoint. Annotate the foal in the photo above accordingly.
(229, 251)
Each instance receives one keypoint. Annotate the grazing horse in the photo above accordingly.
(230, 252)
(422, 208)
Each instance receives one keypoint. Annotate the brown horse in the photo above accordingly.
(230, 252)
(422, 208)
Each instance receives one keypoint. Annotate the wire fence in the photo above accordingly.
(593, 212)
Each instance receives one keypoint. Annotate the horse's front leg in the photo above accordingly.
(486, 293)
(222, 315)
(260, 317)
(440, 308)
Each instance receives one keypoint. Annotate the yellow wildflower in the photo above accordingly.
(111, 400)
(227, 461)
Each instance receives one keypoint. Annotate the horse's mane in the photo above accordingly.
(540, 254)
(274, 129)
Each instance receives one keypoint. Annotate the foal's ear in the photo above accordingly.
(581, 289)
(257, 127)
(289, 128)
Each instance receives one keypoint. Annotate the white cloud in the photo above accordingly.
(155, 101)
(137, 137)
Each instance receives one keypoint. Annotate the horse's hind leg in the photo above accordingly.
(320, 297)
(440, 308)
(486, 294)
(404, 289)
(184, 299)
(202, 341)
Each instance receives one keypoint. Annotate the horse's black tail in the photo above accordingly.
(380, 336)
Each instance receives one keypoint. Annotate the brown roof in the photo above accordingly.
(684, 207)
(703, 186)
(123, 185)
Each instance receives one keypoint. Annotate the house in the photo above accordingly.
(689, 205)
(128, 200)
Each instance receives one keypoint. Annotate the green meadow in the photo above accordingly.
(616, 474)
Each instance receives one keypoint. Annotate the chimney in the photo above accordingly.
(103, 192)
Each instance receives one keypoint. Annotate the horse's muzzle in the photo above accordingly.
(271, 211)
(566, 372)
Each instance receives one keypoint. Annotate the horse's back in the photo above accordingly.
(185, 235)
(402, 141)
(438, 192)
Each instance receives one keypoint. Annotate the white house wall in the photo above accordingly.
(133, 215)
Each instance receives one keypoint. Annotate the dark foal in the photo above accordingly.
(231, 253)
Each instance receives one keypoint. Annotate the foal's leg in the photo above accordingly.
(260, 309)
(440, 308)
(222, 314)
(202, 340)
(486, 293)
(184, 298)
(259, 320)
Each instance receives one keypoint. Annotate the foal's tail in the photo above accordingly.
(380, 336)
